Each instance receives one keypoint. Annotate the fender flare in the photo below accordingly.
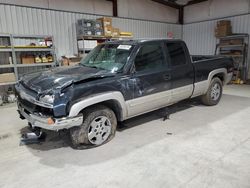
(98, 98)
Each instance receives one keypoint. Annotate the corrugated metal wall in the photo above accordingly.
(200, 36)
(61, 24)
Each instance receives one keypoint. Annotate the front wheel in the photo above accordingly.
(214, 93)
(98, 127)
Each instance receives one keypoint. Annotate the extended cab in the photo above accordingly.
(116, 81)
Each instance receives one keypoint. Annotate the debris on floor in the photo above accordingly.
(32, 138)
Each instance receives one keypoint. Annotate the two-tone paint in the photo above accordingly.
(128, 93)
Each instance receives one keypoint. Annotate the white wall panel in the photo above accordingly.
(200, 37)
(213, 9)
(24, 20)
(139, 9)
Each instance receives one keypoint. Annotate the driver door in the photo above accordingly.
(151, 78)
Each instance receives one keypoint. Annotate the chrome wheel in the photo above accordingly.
(215, 92)
(99, 130)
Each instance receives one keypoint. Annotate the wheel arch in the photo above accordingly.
(219, 73)
(113, 100)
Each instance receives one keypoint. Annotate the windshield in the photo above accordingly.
(110, 57)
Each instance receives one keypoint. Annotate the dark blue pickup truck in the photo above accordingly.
(116, 81)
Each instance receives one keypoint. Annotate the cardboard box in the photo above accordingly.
(70, 61)
(115, 32)
(107, 30)
(236, 41)
(28, 59)
(224, 22)
(223, 31)
(7, 77)
(105, 21)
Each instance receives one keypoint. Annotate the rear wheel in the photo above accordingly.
(214, 93)
(98, 127)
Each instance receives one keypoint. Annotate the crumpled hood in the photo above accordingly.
(60, 77)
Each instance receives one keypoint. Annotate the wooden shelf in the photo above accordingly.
(7, 83)
(35, 64)
(6, 66)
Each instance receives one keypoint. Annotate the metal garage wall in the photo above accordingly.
(200, 36)
(61, 24)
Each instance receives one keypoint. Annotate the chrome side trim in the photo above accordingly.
(100, 97)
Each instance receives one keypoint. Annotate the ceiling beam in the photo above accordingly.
(167, 3)
(192, 2)
(115, 9)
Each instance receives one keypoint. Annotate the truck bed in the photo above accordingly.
(203, 65)
(196, 58)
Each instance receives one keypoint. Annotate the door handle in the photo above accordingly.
(166, 77)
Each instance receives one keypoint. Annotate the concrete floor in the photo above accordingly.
(198, 147)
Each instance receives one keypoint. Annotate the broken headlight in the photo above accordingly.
(47, 99)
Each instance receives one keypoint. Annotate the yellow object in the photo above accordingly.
(38, 59)
(50, 58)
(115, 32)
(44, 59)
(123, 33)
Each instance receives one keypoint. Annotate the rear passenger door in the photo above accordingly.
(181, 69)
(151, 77)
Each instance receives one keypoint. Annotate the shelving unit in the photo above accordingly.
(235, 46)
(6, 59)
(13, 46)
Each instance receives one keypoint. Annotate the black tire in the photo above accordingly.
(209, 99)
(80, 135)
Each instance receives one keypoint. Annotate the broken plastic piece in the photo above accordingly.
(32, 138)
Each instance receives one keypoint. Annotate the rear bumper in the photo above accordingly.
(42, 122)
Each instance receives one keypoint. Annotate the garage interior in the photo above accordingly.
(196, 146)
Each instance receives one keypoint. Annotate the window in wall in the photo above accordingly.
(149, 57)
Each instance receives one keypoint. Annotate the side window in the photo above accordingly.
(176, 53)
(149, 57)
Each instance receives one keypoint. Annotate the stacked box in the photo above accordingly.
(86, 23)
(7, 77)
(89, 27)
(115, 32)
(107, 31)
(84, 31)
(98, 32)
(223, 28)
(105, 21)
(107, 26)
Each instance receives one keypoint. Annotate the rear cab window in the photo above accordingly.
(176, 53)
(150, 57)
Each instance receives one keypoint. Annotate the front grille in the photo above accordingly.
(35, 109)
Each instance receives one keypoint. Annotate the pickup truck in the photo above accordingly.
(116, 81)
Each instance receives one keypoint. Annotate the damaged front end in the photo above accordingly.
(46, 109)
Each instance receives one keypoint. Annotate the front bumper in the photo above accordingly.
(42, 122)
